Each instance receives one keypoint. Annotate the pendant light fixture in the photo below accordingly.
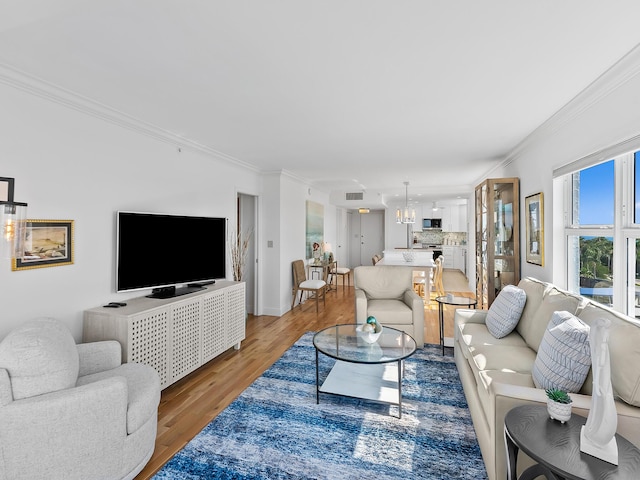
(407, 215)
(12, 221)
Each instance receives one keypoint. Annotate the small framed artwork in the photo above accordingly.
(48, 243)
(534, 218)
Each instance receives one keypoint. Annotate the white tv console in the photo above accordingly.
(175, 335)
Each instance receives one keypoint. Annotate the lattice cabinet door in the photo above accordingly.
(213, 325)
(236, 314)
(148, 334)
(185, 337)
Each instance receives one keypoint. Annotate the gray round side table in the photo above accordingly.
(556, 448)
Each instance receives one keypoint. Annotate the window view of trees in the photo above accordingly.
(596, 268)
(596, 256)
(603, 217)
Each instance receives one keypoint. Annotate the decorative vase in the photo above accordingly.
(559, 411)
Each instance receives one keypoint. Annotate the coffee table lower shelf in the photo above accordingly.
(378, 382)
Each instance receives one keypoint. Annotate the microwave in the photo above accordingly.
(432, 223)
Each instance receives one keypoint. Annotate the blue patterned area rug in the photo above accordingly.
(275, 429)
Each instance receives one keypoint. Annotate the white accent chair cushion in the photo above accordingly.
(564, 357)
(40, 357)
(505, 311)
(313, 284)
(341, 270)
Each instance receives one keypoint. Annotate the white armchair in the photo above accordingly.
(386, 292)
(73, 411)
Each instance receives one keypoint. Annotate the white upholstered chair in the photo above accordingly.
(386, 292)
(73, 411)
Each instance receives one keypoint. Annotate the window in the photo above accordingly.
(602, 232)
(636, 187)
(594, 202)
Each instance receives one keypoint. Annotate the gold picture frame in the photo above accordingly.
(534, 221)
(48, 243)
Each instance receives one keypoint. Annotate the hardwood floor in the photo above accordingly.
(187, 406)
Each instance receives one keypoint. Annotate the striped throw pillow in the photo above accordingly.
(564, 356)
(505, 311)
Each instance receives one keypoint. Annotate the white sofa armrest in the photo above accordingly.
(470, 315)
(416, 304)
(361, 306)
(99, 356)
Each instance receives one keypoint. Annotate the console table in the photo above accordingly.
(173, 335)
(556, 448)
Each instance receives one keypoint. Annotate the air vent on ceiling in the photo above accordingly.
(354, 196)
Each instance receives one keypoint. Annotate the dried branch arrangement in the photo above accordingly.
(238, 246)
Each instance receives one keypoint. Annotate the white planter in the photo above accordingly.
(559, 411)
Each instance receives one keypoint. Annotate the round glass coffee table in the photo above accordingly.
(364, 370)
(451, 300)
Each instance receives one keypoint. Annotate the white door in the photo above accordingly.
(342, 234)
(371, 235)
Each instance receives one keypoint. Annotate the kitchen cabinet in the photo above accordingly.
(448, 253)
(454, 218)
(427, 212)
(454, 257)
(458, 259)
(497, 232)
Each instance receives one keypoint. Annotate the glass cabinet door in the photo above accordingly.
(497, 237)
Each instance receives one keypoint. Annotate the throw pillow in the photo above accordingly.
(41, 357)
(564, 357)
(505, 311)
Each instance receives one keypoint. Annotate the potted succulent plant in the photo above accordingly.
(558, 404)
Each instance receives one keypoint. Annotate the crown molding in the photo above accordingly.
(13, 77)
(627, 68)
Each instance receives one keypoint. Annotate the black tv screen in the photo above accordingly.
(157, 250)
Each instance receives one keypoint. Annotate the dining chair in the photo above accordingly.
(419, 281)
(438, 286)
(343, 272)
(301, 284)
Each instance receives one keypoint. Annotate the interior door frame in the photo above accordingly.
(247, 220)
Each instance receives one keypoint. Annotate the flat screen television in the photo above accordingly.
(171, 254)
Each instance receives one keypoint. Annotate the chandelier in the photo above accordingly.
(407, 215)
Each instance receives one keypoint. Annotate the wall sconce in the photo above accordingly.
(13, 217)
(363, 210)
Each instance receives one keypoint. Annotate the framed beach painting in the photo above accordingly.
(534, 219)
(315, 228)
(49, 243)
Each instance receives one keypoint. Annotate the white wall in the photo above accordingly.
(604, 115)
(70, 165)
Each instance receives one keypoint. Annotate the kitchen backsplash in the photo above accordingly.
(438, 237)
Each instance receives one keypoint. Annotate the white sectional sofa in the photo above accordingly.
(496, 373)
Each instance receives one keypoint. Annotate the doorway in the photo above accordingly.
(367, 236)
(247, 224)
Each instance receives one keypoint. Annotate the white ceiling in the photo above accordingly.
(345, 94)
